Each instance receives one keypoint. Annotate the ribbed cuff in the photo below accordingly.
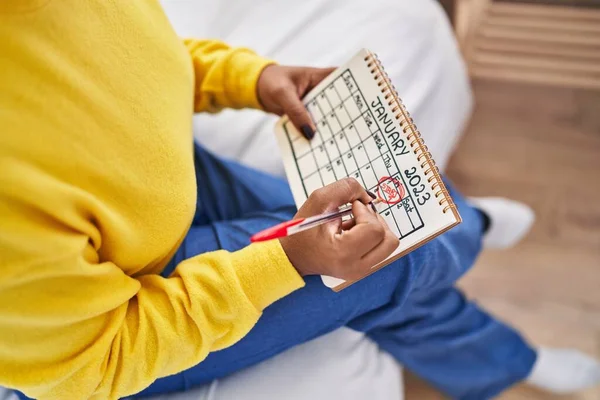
(265, 273)
(248, 67)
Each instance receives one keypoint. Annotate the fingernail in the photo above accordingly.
(372, 195)
(307, 131)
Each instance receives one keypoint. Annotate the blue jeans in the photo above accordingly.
(410, 308)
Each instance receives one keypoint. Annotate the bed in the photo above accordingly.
(415, 42)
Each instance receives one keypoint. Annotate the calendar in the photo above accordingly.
(349, 143)
(365, 132)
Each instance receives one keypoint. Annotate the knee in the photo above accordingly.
(447, 258)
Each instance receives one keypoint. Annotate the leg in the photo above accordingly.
(228, 190)
(341, 365)
(454, 345)
(447, 340)
(368, 306)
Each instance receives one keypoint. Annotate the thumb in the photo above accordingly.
(294, 108)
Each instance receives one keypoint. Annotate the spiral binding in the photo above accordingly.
(414, 138)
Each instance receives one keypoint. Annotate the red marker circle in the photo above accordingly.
(390, 190)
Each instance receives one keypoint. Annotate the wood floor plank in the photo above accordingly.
(539, 145)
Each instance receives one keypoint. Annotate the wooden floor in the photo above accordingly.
(541, 146)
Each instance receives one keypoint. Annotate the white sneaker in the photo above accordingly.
(509, 221)
(564, 371)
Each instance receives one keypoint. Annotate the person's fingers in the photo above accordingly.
(367, 233)
(317, 75)
(292, 105)
(382, 251)
(332, 196)
(349, 224)
(364, 213)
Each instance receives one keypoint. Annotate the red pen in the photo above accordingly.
(301, 224)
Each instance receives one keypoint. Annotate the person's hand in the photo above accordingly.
(346, 251)
(280, 90)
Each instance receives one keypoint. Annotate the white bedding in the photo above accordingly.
(415, 43)
(341, 365)
(413, 40)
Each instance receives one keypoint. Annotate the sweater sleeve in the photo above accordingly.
(224, 76)
(73, 326)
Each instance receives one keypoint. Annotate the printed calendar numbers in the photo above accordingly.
(364, 132)
(343, 116)
(379, 141)
(349, 142)
(338, 168)
(333, 94)
(415, 181)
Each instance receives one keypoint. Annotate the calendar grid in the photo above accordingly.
(370, 162)
(349, 143)
(324, 143)
(408, 194)
(316, 162)
(333, 134)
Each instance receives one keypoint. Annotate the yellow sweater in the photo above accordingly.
(97, 190)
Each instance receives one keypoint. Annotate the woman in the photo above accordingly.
(124, 247)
